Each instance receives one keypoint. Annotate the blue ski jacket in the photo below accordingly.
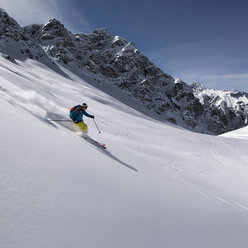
(78, 113)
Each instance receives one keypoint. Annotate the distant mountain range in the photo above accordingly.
(117, 62)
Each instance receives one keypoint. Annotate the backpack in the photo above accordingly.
(74, 113)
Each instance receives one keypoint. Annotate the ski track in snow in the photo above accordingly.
(243, 155)
(192, 186)
(173, 170)
(219, 149)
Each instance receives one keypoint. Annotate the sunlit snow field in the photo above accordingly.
(156, 185)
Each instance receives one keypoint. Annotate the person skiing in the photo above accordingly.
(76, 114)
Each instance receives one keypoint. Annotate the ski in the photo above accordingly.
(74, 129)
(100, 144)
(96, 142)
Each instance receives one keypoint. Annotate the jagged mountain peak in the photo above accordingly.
(101, 32)
(197, 87)
(115, 61)
(53, 28)
(118, 41)
(6, 19)
(99, 38)
(9, 27)
(48, 31)
(54, 25)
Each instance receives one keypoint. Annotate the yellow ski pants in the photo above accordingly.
(82, 126)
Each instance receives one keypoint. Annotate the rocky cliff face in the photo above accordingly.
(120, 63)
(15, 41)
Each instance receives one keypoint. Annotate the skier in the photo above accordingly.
(76, 114)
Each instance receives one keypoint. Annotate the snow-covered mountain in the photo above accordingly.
(115, 61)
(156, 185)
(228, 108)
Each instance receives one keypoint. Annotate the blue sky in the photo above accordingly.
(205, 41)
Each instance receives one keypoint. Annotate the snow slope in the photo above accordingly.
(156, 185)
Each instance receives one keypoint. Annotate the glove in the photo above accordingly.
(92, 116)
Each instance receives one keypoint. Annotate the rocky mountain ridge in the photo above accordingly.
(118, 62)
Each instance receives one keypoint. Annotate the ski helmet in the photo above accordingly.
(84, 105)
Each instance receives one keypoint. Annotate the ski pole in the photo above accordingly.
(59, 120)
(96, 126)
